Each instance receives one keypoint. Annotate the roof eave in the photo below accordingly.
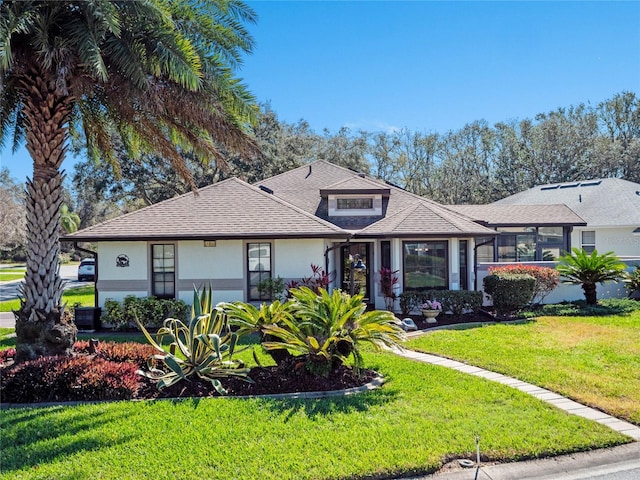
(174, 238)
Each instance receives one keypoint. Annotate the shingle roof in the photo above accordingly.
(415, 215)
(607, 202)
(425, 219)
(519, 215)
(228, 209)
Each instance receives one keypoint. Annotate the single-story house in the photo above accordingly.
(610, 208)
(234, 235)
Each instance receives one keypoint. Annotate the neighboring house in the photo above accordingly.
(609, 206)
(234, 235)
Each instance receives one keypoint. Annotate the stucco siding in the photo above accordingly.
(136, 253)
(621, 241)
(293, 258)
(225, 260)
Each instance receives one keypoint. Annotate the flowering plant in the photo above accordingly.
(432, 305)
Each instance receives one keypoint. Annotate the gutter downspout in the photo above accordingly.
(475, 261)
(94, 255)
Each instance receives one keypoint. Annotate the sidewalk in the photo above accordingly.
(543, 394)
(585, 465)
(7, 320)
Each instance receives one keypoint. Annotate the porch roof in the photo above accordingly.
(498, 215)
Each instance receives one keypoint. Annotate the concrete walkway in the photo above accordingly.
(543, 394)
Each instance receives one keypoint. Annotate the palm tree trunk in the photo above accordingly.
(590, 293)
(41, 327)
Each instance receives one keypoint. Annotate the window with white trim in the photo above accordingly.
(258, 269)
(588, 238)
(163, 270)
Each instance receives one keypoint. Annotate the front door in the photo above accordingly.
(357, 257)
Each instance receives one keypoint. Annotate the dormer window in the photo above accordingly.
(356, 203)
(351, 201)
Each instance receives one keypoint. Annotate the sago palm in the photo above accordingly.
(582, 268)
(154, 75)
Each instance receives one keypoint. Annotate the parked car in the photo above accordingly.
(87, 270)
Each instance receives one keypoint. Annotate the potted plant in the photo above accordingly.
(430, 310)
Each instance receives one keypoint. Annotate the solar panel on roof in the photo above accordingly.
(591, 184)
(569, 185)
(549, 187)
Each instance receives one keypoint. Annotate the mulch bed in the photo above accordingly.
(287, 378)
(444, 319)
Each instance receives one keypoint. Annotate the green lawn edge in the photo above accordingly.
(421, 418)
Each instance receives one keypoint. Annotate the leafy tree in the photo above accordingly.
(12, 217)
(582, 268)
(155, 75)
(620, 119)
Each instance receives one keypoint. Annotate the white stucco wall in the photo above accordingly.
(621, 241)
(138, 255)
(293, 258)
(225, 260)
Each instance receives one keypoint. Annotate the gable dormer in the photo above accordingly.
(346, 201)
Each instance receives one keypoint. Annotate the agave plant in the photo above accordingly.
(329, 328)
(203, 347)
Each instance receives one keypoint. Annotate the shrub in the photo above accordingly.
(609, 306)
(319, 279)
(130, 352)
(457, 302)
(632, 283)
(7, 354)
(151, 311)
(547, 279)
(272, 288)
(509, 292)
(48, 379)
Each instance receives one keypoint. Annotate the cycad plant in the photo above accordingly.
(582, 268)
(251, 319)
(326, 329)
(203, 347)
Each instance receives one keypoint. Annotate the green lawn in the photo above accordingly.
(83, 295)
(422, 417)
(594, 360)
(11, 273)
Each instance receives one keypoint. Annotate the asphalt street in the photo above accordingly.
(10, 290)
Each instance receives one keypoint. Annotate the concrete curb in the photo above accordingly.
(563, 467)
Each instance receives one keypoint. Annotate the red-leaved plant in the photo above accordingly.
(547, 279)
(319, 279)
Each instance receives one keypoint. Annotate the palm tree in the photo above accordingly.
(69, 221)
(154, 75)
(581, 268)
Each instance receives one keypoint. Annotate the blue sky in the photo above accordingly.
(432, 66)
